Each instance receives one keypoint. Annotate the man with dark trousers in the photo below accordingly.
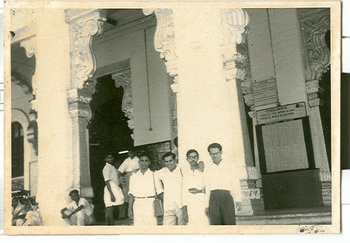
(223, 189)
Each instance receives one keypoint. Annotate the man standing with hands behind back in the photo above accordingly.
(113, 195)
(223, 188)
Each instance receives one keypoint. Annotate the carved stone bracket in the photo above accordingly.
(234, 23)
(123, 79)
(30, 46)
(164, 38)
(318, 54)
(84, 24)
(317, 50)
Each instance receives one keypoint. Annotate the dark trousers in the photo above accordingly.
(221, 208)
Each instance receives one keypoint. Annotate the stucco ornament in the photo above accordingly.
(123, 79)
(83, 28)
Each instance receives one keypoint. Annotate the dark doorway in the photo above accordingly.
(17, 138)
(108, 133)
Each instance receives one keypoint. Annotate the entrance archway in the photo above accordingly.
(108, 133)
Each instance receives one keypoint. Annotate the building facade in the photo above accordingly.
(257, 81)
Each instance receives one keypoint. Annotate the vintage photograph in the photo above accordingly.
(130, 119)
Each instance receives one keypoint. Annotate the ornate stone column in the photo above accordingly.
(83, 25)
(236, 68)
(209, 98)
(317, 63)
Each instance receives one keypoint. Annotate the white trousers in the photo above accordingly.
(196, 210)
(79, 218)
(144, 212)
(173, 217)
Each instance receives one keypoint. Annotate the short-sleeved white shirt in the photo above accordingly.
(172, 182)
(142, 185)
(110, 173)
(87, 209)
(129, 165)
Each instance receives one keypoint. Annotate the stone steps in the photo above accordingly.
(289, 217)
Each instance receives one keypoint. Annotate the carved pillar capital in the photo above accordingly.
(30, 46)
(79, 100)
(312, 91)
(317, 50)
(233, 28)
(123, 79)
(318, 54)
(84, 24)
(234, 23)
(164, 38)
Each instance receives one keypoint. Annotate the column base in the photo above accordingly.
(253, 202)
(326, 187)
(326, 193)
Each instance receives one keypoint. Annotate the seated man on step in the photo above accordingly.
(79, 212)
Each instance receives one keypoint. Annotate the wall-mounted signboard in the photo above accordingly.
(281, 113)
(265, 92)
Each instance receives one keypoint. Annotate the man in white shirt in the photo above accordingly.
(224, 188)
(171, 177)
(78, 212)
(113, 195)
(142, 194)
(126, 169)
(194, 197)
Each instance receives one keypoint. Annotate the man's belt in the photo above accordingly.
(144, 197)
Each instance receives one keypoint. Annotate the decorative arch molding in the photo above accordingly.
(123, 79)
(84, 24)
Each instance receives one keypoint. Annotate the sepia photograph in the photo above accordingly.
(172, 118)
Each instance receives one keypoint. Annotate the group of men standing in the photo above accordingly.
(194, 195)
